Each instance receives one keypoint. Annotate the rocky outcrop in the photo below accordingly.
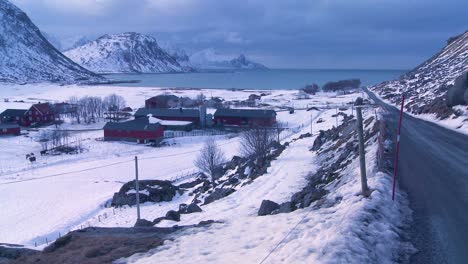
(431, 88)
(150, 191)
(456, 93)
(267, 207)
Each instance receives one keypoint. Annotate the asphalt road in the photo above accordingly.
(433, 171)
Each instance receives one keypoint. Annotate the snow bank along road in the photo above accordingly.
(433, 171)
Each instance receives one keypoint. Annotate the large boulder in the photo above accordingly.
(173, 216)
(466, 96)
(143, 223)
(150, 191)
(456, 93)
(218, 194)
(267, 207)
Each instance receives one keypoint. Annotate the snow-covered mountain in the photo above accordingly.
(73, 42)
(27, 56)
(179, 54)
(210, 59)
(125, 53)
(426, 86)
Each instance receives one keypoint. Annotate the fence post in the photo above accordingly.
(362, 155)
(137, 188)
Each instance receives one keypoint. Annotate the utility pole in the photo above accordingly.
(311, 123)
(137, 188)
(336, 116)
(362, 157)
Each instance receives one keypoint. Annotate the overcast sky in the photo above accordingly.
(340, 34)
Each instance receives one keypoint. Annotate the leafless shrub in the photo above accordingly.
(210, 160)
(256, 143)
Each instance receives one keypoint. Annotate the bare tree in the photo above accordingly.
(210, 160)
(44, 138)
(257, 142)
(113, 104)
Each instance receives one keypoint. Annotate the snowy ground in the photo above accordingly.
(63, 193)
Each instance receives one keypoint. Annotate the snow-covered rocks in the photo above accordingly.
(26, 56)
(125, 53)
(150, 191)
(426, 86)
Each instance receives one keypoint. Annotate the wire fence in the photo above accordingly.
(195, 133)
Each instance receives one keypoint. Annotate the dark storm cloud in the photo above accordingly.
(311, 34)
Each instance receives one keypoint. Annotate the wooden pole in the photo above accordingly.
(362, 154)
(137, 188)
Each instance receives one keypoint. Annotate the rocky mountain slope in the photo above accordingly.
(210, 59)
(429, 88)
(125, 53)
(26, 56)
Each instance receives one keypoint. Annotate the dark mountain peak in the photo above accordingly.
(27, 56)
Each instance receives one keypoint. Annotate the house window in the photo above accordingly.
(4, 130)
(38, 119)
(45, 118)
(30, 118)
(17, 118)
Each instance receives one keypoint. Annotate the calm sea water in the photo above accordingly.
(269, 79)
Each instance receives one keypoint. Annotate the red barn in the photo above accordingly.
(39, 114)
(10, 129)
(245, 117)
(138, 130)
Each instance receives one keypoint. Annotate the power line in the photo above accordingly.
(282, 240)
(103, 166)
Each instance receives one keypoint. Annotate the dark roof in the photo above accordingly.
(171, 112)
(141, 124)
(14, 112)
(253, 113)
(3, 126)
(163, 97)
(44, 108)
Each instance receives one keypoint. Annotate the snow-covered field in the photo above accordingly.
(64, 193)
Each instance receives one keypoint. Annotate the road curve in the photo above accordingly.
(433, 171)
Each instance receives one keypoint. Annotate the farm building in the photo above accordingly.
(174, 114)
(13, 116)
(10, 129)
(177, 125)
(140, 130)
(39, 114)
(162, 101)
(241, 117)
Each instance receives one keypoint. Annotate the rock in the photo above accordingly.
(158, 220)
(456, 93)
(11, 253)
(233, 180)
(286, 207)
(218, 194)
(143, 223)
(182, 208)
(207, 222)
(466, 96)
(173, 216)
(267, 207)
(193, 208)
(158, 191)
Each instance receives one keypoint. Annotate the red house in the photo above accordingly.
(10, 129)
(245, 117)
(138, 130)
(39, 114)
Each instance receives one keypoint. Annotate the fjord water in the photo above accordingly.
(255, 79)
